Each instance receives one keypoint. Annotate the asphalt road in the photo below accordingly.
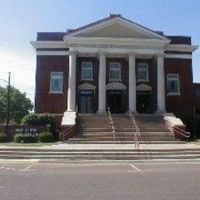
(124, 181)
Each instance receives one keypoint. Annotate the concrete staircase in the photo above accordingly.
(94, 128)
(152, 128)
(99, 154)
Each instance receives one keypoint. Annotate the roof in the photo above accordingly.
(58, 36)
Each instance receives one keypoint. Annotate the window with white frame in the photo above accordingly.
(87, 71)
(142, 72)
(173, 84)
(114, 72)
(56, 82)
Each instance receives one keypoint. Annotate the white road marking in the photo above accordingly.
(135, 168)
(26, 168)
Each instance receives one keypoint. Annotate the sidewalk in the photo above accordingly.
(107, 146)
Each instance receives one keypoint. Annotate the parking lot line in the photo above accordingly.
(135, 168)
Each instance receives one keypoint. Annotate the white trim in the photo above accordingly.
(115, 86)
(181, 47)
(143, 87)
(48, 44)
(173, 94)
(115, 41)
(86, 86)
(119, 65)
(122, 21)
(181, 56)
(118, 50)
(52, 53)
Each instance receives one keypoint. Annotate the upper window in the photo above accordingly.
(142, 72)
(115, 72)
(87, 71)
(173, 85)
(56, 82)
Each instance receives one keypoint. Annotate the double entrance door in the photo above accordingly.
(115, 101)
(143, 102)
(86, 104)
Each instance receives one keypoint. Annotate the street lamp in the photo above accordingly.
(8, 98)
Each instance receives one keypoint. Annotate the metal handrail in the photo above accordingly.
(66, 133)
(111, 124)
(137, 133)
(182, 132)
(178, 130)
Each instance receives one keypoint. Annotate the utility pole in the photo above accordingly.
(8, 100)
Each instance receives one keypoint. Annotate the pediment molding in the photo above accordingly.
(115, 86)
(115, 22)
(143, 87)
(86, 86)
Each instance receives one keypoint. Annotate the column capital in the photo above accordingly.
(132, 54)
(73, 52)
(160, 55)
(102, 53)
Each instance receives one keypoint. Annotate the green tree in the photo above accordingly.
(20, 105)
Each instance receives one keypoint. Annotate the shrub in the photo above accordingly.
(3, 138)
(40, 120)
(46, 137)
(25, 138)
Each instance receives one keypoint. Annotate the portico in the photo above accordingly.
(105, 85)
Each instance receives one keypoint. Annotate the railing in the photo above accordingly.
(111, 124)
(177, 130)
(137, 132)
(67, 133)
(181, 132)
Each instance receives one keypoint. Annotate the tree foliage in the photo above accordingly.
(20, 105)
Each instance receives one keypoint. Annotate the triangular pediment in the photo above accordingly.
(117, 31)
(117, 27)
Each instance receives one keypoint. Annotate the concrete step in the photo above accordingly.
(124, 142)
(106, 156)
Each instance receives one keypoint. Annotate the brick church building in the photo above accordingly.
(113, 63)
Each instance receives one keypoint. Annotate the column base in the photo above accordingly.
(69, 118)
(160, 112)
(101, 112)
(134, 112)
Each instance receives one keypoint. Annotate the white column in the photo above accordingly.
(132, 83)
(160, 83)
(71, 98)
(102, 83)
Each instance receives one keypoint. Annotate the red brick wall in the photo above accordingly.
(57, 103)
(44, 101)
(180, 104)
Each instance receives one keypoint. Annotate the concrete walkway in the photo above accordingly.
(108, 146)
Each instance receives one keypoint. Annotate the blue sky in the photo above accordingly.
(20, 20)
